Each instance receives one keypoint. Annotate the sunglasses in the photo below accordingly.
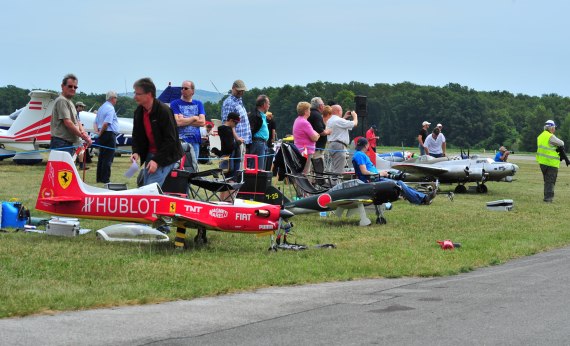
(72, 87)
(186, 88)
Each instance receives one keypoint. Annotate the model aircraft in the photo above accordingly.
(455, 170)
(63, 193)
(30, 127)
(350, 196)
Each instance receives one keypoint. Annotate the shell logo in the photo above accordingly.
(218, 213)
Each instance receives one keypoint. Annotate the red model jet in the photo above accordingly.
(63, 193)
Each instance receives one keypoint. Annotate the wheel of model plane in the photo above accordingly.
(482, 188)
(460, 189)
(200, 238)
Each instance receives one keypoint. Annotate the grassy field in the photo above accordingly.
(43, 274)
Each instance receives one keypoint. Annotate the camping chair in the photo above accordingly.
(294, 163)
(188, 182)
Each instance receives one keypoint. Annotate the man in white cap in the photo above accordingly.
(548, 158)
(422, 136)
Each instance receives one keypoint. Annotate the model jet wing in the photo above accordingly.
(418, 168)
(61, 199)
(349, 203)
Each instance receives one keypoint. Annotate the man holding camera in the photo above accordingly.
(339, 138)
(502, 155)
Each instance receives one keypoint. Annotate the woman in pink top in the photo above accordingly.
(303, 134)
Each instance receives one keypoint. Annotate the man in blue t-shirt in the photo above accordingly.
(502, 155)
(190, 116)
(362, 162)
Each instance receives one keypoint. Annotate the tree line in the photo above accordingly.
(471, 119)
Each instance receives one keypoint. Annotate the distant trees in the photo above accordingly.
(471, 118)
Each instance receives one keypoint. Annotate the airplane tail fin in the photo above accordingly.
(274, 196)
(61, 182)
(33, 121)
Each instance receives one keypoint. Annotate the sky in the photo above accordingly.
(520, 46)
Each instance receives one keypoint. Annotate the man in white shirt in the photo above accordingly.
(435, 144)
(338, 140)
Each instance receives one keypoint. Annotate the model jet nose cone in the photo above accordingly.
(515, 168)
(285, 214)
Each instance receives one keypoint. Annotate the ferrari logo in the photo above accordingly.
(172, 207)
(64, 177)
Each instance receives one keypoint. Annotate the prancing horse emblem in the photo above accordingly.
(64, 178)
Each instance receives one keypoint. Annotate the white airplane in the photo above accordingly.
(29, 128)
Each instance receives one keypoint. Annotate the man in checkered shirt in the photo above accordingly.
(234, 103)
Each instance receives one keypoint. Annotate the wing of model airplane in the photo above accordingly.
(418, 168)
(349, 203)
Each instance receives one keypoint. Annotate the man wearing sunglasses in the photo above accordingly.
(190, 116)
(66, 131)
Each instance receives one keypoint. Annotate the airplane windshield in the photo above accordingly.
(346, 184)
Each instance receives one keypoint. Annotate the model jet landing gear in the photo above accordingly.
(460, 189)
(380, 219)
(200, 238)
(481, 188)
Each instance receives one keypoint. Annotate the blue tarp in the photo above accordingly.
(170, 93)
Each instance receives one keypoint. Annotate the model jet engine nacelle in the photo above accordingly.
(456, 173)
(477, 174)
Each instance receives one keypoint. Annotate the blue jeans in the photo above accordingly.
(159, 175)
(413, 196)
(61, 144)
(196, 147)
(259, 148)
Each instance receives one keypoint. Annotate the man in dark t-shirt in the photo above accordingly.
(318, 124)
(422, 137)
(229, 145)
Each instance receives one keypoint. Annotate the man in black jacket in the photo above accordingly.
(259, 130)
(318, 124)
(155, 134)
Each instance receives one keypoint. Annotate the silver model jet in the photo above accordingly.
(456, 170)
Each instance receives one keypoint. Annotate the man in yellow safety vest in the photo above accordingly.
(548, 158)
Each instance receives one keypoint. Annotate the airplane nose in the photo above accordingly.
(285, 214)
(515, 168)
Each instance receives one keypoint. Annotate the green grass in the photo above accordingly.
(42, 274)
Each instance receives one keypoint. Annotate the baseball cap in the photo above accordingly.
(550, 123)
(239, 85)
(439, 125)
(426, 123)
(361, 142)
(77, 104)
